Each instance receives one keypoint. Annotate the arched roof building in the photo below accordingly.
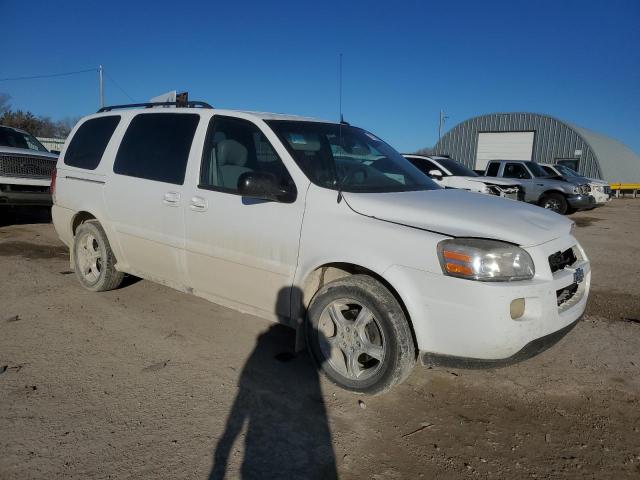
(542, 138)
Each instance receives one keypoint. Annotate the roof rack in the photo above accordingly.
(189, 104)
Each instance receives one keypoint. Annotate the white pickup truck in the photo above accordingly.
(25, 169)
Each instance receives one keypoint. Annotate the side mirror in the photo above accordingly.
(265, 186)
(437, 174)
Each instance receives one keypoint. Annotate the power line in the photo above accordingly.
(118, 86)
(32, 77)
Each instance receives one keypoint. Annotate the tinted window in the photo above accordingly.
(234, 147)
(156, 147)
(89, 142)
(456, 168)
(515, 170)
(549, 170)
(423, 164)
(341, 157)
(492, 171)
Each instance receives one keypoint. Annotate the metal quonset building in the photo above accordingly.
(544, 139)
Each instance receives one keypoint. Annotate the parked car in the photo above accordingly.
(600, 190)
(563, 196)
(321, 226)
(25, 169)
(448, 173)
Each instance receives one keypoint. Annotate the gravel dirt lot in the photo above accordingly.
(147, 382)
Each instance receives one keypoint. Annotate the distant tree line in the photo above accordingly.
(39, 126)
(425, 151)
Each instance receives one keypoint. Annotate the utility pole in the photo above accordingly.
(101, 78)
(443, 118)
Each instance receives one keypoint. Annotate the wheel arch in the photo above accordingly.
(80, 218)
(328, 272)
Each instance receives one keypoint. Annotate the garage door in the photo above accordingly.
(503, 146)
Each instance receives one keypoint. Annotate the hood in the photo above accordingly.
(493, 181)
(597, 181)
(25, 151)
(458, 213)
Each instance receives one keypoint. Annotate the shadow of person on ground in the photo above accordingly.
(280, 402)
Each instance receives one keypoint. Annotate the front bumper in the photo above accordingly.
(581, 202)
(454, 317)
(531, 349)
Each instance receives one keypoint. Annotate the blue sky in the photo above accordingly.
(403, 61)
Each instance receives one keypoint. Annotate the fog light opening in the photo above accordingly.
(517, 308)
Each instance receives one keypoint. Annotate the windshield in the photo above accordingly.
(566, 171)
(339, 156)
(536, 169)
(456, 168)
(16, 139)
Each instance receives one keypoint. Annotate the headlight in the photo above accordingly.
(576, 189)
(484, 260)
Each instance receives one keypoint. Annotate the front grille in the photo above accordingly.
(26, 166)
(560, 260)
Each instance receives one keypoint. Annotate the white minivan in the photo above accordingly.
(321, 226)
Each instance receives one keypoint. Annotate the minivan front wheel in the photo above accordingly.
(359, 336)
(93, 259)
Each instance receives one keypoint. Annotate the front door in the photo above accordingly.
(241, 252)
(145, 195)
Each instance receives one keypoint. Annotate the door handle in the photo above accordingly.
(171, 198)
(198, 204)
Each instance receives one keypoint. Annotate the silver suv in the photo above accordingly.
(25, 169)
(563, 196)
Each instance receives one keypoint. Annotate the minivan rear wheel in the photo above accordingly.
(93, 259)
(555, 202)
(359, 336)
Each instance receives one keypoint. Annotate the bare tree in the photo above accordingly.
(4, 102)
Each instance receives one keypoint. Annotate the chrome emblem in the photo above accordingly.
(578, 275)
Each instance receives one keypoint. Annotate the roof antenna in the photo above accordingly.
(339, 182)
(340, 87)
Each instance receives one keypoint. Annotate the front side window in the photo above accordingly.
(424, 165)
(156, 147)
(493, 169)
(456, 168)
(234, 146)
(17, 139)
(89, 142)
(516, 170)
(341, 157)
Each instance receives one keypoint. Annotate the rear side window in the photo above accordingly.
(156, 147)
(492, 171)
(89, 142)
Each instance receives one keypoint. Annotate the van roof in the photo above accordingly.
(133, 109)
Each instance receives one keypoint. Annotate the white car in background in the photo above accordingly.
(600, 190)
(449, 173)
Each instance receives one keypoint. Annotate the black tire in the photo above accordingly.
(388, 323)
(555, 202)
(103, 269)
